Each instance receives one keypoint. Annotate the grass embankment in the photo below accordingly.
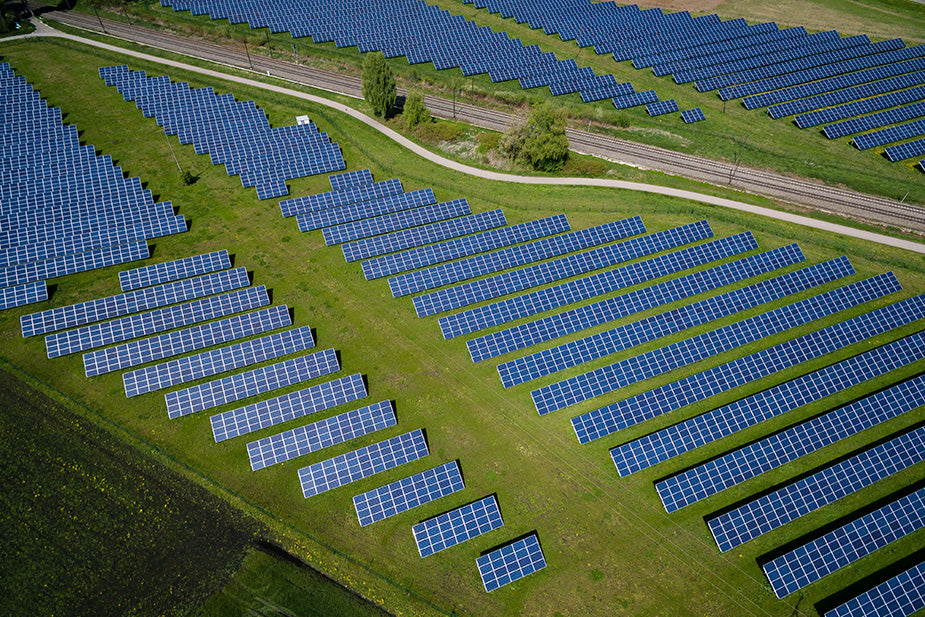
(732, 133)
(609, 545)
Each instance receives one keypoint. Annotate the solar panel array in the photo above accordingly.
(900, 596)
(845, 545)
(217, 361)
(874, 121)
(889, 135)
(251, 383)
(628, 412)
(688, 351)
(550, 298)
(768, 512)
(511, 562)
(309, 221)
(660, 294)
(365, 228)
(348, 179)
(321, 434)
(91, 311)
(358, 464)
(693, 115)
(487, 263)
(598, 345)
(166, 272)
(340, 197)
(847, 95)
(411, 492)
(231, 132)
(662, 107)
(557, 269)
(456, 526)
(64, 208)
(906, 151)
(171, 344)
(772, 452)
(855, 108)
(287, 407)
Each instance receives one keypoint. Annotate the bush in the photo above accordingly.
(434, 132)
(539, 143)
(415, 112)
(488, 141)
(379, 87)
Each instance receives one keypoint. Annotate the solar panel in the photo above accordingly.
(365, 228)
(838, 97)
(309, 221)
(358, 464)
(779, 449)
(171, 344)
(511, 562)
(598, 345)
(635, 99)
(166, 272)
(132, 302)
(321, 434)
(417, 236)
(906, 150)
(463, 247)
(251, 383)
(142, 324)
(889, 135)
(610, 309)
(21, 295)
(874, 121)
(768, 512)
(217, 361)
(411, 492)
(631, 370)
(854, 108)
(549, 298)
(487, 263)
(351, 195)
(845, 545)
(692, 115)
(360, 177)
(456, 526)
(632, 411)
(557, 269)
(263, 414)
(662, 107)
(73, 263)
(900, 596)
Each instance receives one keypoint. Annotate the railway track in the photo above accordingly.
(807, 193)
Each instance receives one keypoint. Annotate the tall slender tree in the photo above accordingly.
(379, 87)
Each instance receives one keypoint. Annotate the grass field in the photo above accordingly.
(731, 132)
(610, 547)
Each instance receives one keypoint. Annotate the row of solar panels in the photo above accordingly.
(432, 265)
(235, 134)
(64, 209)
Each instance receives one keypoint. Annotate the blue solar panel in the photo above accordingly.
(692, 115)
(845, 545)
(456, 526)
(318, 435)
(906, 150)
(251, 383)
(768, 512)
(132, 302)
(362, 463)
(360, 177)
(394, 222)
(838, 97)
(351, 195)
(418, 236)
(609, 378)
(635, 99)
(411, 492)
(309, 221)
(779, 449)
(21, 295)
(171, 344)
(287, 407)
(463, 247)
(662, 107)
(503, 259)
(557, 269)
(157, 274)
(72, 264)
(900, 596)
(660, 294)
(890, 135)
(856, 108)
(550, 298)
(601, 422)
(598, 345)
(511, 562)
(217, 361)
(874, 121)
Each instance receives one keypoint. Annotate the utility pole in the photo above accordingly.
(99, 19)
(249, 61)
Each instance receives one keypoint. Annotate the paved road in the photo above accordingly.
(43, 30)
(850, 204)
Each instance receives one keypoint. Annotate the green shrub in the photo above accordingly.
(415, 112)
(379, 88)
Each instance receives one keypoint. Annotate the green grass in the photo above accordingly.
(731, 132)
(610, 547)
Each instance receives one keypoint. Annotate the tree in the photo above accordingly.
(379, 87)
(415, 112)
(540, 142)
